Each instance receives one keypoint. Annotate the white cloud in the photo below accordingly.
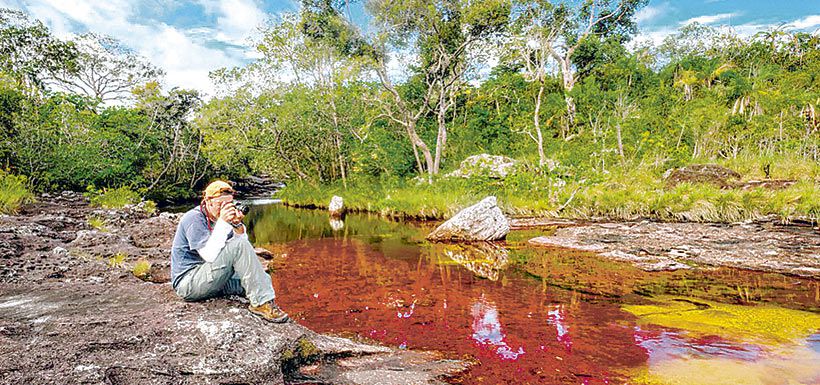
(184, 55)
(807, 22)
(238, 20)
(709, 19)
(651, 12)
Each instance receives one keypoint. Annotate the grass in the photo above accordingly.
(142, 269)
(626, 194)
(97, 223)
(115, 198)
(14, 192)
(116, 260)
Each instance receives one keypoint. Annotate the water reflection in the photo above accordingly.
(336, 224)
(678, 359)
(557, 318)
(487, 330)
(484, 259)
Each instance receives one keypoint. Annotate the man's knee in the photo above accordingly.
(237, 248)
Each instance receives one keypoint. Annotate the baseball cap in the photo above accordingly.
(217, 188)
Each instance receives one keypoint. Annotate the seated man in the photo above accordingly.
(212, 256)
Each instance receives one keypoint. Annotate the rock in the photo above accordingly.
(492, 166)
(654, 246)
(263, 253)
(336, 206)
(155, 231)
(483, 221)
(769, 184)
(59, 252)
(701, 173)
(256, 187)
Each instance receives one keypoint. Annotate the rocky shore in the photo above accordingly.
(72, 311)
(657, 246)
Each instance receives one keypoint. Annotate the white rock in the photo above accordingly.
(483, 221)
(336, 206)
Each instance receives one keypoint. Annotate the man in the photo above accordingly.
(212, 256)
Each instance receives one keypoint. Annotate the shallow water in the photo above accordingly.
(539, 316)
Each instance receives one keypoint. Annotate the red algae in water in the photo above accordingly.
(516, 332)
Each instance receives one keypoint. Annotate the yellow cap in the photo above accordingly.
(217, 188)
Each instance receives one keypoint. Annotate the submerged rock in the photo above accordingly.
(493, 166)
(483, 221)
(336, 206)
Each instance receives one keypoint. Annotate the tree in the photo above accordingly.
(290, 62)
(545, 30)
(177, 163)
(105, 69)
(440, 34)
(29, 52)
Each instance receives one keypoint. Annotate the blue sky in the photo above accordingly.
(189, 38)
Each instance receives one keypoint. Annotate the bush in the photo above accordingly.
(142, 269)
(114, 198)
(14, 192)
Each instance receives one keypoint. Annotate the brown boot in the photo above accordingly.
(269, 312)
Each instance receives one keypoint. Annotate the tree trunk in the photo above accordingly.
(620, 141)
(441, 137)
(428, 156)
(569, 82)
(537, 120)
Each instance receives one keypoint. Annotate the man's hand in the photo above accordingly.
(228, 212)
(238, 220)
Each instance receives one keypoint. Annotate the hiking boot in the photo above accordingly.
(269, 312)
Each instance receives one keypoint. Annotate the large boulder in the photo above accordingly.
(701, 173)
(336, 207)
(493, 166)
(483, 221)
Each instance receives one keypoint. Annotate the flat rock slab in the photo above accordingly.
(656, 246)
(400, 367)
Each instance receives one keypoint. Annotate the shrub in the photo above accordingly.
(113, 198)
(14, 192)
(142, 269)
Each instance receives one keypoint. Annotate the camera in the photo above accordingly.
(243, 208)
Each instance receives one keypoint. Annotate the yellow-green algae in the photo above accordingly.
(760, 323)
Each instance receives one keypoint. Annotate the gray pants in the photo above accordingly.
(236, 270)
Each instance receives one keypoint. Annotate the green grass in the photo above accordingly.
(14, 192)
(141, 269)
(97, 223)
(115, 198)
(631, 194)
(116, 260)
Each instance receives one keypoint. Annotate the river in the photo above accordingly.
(526, 315)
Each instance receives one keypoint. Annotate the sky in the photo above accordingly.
(190, 38)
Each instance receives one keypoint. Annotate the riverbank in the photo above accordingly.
(72, 311)
(653, 224)
(624, 198)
